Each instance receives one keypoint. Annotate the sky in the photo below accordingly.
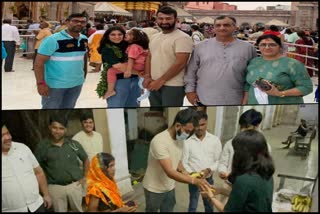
(254, 5)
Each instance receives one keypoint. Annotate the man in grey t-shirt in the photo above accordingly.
(216, 72)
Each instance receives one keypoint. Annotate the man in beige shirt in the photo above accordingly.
(165, 64)
(40, 36)
(163, 160)
(90, 140)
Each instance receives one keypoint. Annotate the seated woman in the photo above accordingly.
(301, 132)
(102, 190)
(275, 78)
(251, 176)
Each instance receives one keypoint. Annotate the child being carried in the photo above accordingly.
(137, 52)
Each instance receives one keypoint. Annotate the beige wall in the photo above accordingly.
(289, 114)
(101, 124)
(170, 114)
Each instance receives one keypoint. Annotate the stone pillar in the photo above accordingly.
(118, 146)
(229, 122)
(74, 7)
(102, 126)
(307, 15)
(219, 121)
(267, 119)
(7, 12)
(52, 11)
(132, 124)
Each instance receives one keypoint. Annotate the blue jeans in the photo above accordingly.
(60, 98)
(127, 92)
(163, 201)
(194, 197)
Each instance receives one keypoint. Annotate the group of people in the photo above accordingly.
(167, 65)
(62, 171)
(186, 147)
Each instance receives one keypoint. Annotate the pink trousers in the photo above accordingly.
(112, 72)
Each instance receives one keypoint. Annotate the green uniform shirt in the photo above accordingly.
(250, 193)
(61, 164)
(285, 73)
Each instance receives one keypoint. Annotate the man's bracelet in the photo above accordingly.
(42, 82)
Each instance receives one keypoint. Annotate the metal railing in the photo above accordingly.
(27, 41)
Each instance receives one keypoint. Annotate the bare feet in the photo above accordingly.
(109, 94)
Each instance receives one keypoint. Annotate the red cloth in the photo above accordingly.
(276, 33)
(303, 51)
(91, 31)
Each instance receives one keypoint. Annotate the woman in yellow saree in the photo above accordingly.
(102, 190)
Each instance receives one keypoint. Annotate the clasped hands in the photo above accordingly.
(153, 85)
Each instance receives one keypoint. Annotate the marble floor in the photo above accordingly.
(286, 162)
(19, 90)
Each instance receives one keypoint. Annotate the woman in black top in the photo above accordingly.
(113, 52)
(251, 176)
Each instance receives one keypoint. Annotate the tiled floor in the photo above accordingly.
(286, 162)
(19, 89)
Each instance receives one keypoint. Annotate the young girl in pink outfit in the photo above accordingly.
(137, 52)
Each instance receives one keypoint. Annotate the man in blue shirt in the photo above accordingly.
(61, 65)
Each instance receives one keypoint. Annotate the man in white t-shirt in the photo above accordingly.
(90, 140)
(201, 153)
(165, 65)
(22, 177)
(163, 161)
